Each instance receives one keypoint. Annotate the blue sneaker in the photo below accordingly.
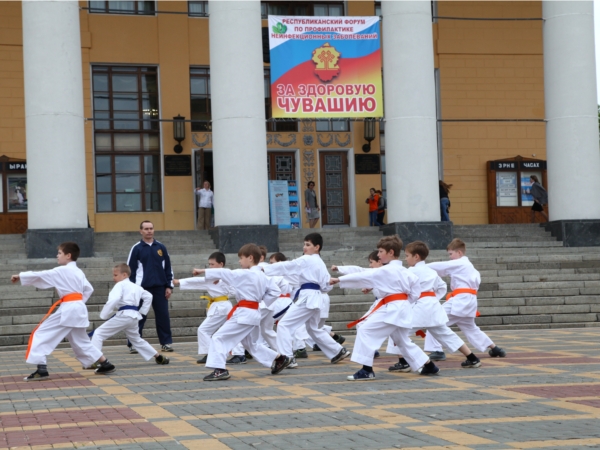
(376, 355)
(432, 370)
(362, 375)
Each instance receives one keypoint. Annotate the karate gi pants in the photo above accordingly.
(130, 326)
(448, 338)
(474, 335)
(322, 325)
(51, 333)
(297, 316)
(371, 334)
(160, 305)
(206, 330)
(229, 335)
(267, 324)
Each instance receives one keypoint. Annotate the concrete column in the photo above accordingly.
(409, 96)
(238, 113)
(571, 110)
(56, 170)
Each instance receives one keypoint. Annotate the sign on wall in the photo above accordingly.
(325, 67)
(279, 203)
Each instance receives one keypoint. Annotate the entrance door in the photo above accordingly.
(281, 166)
(334, 188)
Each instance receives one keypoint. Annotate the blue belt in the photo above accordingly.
(282, 312)
(130, 307)
(310, 286)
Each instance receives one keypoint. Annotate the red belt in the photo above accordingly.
(286, 296)
(242, 304)
(74, 297)
(382, 302)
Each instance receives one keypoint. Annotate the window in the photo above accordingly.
(198, 9)
(378, 8)
(200, 92)
(300, 8)
(272, 125)
(119, 7)
(332, 125)
(127, 143)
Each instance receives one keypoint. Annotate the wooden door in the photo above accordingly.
(334, 188)
(281, 165)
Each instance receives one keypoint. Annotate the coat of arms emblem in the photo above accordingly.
(326, 60)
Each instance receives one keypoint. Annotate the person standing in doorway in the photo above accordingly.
(445, 201)
(540, 198)
(205, 204)
(151, 269)
(381, 207)
(373, 201)
(310, 202)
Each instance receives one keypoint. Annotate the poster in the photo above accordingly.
(279, 203)
(294, 204)
(506, 189)
(325, 66)
(526, 198)
(17, 192)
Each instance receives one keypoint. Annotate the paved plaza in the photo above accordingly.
(545, 394)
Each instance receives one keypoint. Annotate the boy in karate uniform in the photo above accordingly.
(251, 286)
(216, 310)
(313, 279)
(132, 303)
(391, 316)
(70, 319)
(461, 303)
(427, 312)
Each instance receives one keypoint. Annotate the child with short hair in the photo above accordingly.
(428, 314)
(132, 303)
(313, 279)
(70, 319)
(251, 286)
(461, 303)
(391, 316)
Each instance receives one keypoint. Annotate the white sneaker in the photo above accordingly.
(293, 364)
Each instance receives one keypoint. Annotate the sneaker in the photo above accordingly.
(340, 339)
(166, 348)
(133, 351)
(293, 364)
(37, 376)
(247, 355)
(104, 368)
(161, 360)
(361, 375)
(316, 348)
(376, 355)
(399, 367)
(202, 360)
(341, 355)
(470, 364)
(301, 353)
(437, 356)
(433, 370)
(92, 367)
(217, 375)
(280, 363)
(237, 359)
(497, 352)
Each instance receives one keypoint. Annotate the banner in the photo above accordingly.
(325, 67)
(279, 201)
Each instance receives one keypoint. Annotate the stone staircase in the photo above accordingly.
(529, 280)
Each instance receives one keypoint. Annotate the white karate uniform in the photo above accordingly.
(393, 319)
(125, 293)
(70, 319)
(462, 308)
(267, 313)
(428, 314)
(244, 325)
(307, 308)
(216, 315)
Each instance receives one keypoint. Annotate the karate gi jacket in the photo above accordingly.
(462, 275)
(427, 311)
(126, 293)
(220, 289)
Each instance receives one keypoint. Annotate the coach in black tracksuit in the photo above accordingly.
(151, 269)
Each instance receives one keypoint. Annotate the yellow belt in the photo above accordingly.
(212, 300)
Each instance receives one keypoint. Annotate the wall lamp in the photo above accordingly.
(369, 125)
(178, 132)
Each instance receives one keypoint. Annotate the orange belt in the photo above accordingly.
(427, 294)
(242, 304)
(462, 291)
(74, 297)
(382, 302)
(286, 296)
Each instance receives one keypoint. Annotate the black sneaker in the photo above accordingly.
(166, 348)
(399, 367)
(104, 368)
(38, 375)
(202, 360)
(437, 356)
(340, 339)
(376, 355)
(133, 351)
(361, 375)
(431, 370)
(301, 353)
(497, 352)
(280, 363)
(316, 348)
(470, 364)
(237, 359)
(247, 354)
(217, 375)
(341, 355)
(161, 360)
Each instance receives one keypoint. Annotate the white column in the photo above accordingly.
(571, 110)
(409, 96)
(56, 181)
(238, 113)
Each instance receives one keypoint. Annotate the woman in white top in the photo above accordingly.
(205, 203)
